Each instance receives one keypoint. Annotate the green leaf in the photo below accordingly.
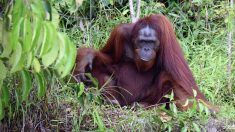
(93, 80)
(171, 96)
(5, 96)
(27, 84)
(44, 37)
(38, 9)
(8, 14)
(169, 128)
(201, 107)
(70, 57)
(2, 113)
(16, 34)
(193, 109)
(10, 39)
(125, 12)
(41, 84)
(196, 127)
(51, 56)
(184, 129)
(29, 59)
(3, 71)
(52, 30)
(39, 38)
(18, 11)
(173, 108)
(36, 65)
(47, 44)
(16, 60)
(55, 18)
(27, 35)
(98, 121)
(81, 89)
(62, 44)
(7, 48)
(36, 34)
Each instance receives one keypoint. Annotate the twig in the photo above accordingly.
(138, 10)
(230, 41)
(132, 12)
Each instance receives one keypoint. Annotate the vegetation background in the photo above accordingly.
(38, 43)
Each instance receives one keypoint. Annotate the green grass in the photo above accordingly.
(203, 39)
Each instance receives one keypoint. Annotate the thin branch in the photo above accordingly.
(230, 41)
(131, 10)
(138, 10)
(134, 17)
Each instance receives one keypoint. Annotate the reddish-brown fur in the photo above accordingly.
(130, 83)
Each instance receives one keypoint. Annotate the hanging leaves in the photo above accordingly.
(32, 45)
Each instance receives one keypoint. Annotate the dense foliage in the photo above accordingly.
(30, 47)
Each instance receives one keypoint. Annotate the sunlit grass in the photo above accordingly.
(203, 40)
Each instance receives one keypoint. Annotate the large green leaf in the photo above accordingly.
(27, 35)
(41, 84)
(66, 57)
(51, 56)
(39, 39)
(26, 84)
(7, 48)
(70, 57)
(43, 44)
(16, 34)
(16, 59)
(18, 12)
(62, 44)
(10, 39)
(38, 9)
(36, 33)
(50, 39)
(63, 67)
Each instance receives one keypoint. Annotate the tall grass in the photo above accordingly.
(201, 30)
